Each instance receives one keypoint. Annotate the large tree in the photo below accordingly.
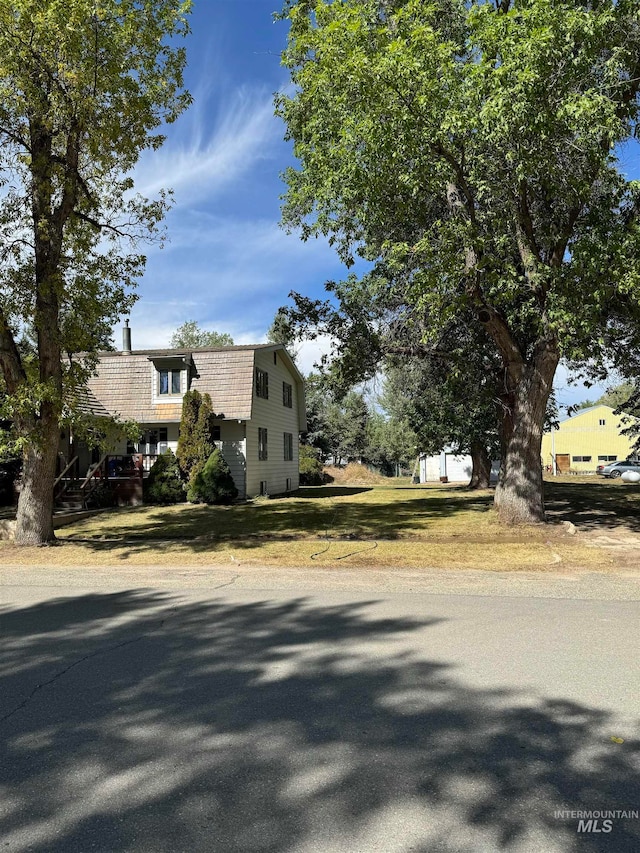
(83, 88)
(474, 144)
(445, 379)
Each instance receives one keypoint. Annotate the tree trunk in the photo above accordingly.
(519, 495)
(34, 521)
(481, 466)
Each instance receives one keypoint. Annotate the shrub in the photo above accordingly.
(186, 452)
(164, 483)
(310, 466)
(195, 444)
(101, 497)
(214, 483)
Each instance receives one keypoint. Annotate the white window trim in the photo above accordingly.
(156, 396)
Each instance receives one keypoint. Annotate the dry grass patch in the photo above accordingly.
(319, 553)
(365, 526)
(355, 474)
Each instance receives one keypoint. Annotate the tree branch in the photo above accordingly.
(100, 226)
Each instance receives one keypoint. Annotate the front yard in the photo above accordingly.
(394, 526)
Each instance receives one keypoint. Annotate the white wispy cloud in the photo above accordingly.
(211, 151)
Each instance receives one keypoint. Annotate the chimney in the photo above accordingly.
(126, 337)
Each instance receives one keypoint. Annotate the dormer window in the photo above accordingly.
(170, 376)
(169, 382)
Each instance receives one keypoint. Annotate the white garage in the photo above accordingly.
(456, 468)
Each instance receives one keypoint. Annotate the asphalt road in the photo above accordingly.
(196, 710)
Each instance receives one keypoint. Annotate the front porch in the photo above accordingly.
(114, 480)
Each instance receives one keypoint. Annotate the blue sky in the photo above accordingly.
(228, 265)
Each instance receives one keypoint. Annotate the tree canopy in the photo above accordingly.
(84, 87)
(471, 148)
(190, 335)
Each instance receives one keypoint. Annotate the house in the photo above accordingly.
(589, 438)
(257, 395)
(450, 467)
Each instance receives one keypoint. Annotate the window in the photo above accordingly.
(262, 443)
(287, 395)
(152, 441)
(275, 358)
(215, 432)
(288, 447)
(288, 487)
(607, 458)
(169, 382)
(602, 422)
(262, 383)
(581, 459)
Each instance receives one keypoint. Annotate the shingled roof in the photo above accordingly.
(88, 404)
(124, 383)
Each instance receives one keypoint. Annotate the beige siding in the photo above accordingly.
(277, 419)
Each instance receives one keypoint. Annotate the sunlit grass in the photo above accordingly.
(403, 554)
(390, 526)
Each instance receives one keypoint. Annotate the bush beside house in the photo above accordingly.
(195, 444)
(214, 483)
(311, 468)
(164, 484)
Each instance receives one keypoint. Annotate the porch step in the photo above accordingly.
(71, 499)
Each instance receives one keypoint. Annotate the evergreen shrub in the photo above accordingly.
(310, 466)
(164, 483)
(214, 483)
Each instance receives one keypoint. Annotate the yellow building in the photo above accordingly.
(587, 439)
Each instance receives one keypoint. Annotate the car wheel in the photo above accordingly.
(615, 474)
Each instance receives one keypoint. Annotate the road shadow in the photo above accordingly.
(138, 721)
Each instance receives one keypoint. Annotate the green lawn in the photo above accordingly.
(391, 525)
(338, 512)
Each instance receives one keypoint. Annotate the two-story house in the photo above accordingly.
(257, 394)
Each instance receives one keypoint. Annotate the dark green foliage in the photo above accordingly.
(282, 331)
(186, 452)
(164, 483)
(311, 473)
(336, 420)
(204, 444)
(195, 444)
(101, 497)
(422, 145)
(214, 483)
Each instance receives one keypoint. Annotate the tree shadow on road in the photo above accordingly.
(139, 721)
